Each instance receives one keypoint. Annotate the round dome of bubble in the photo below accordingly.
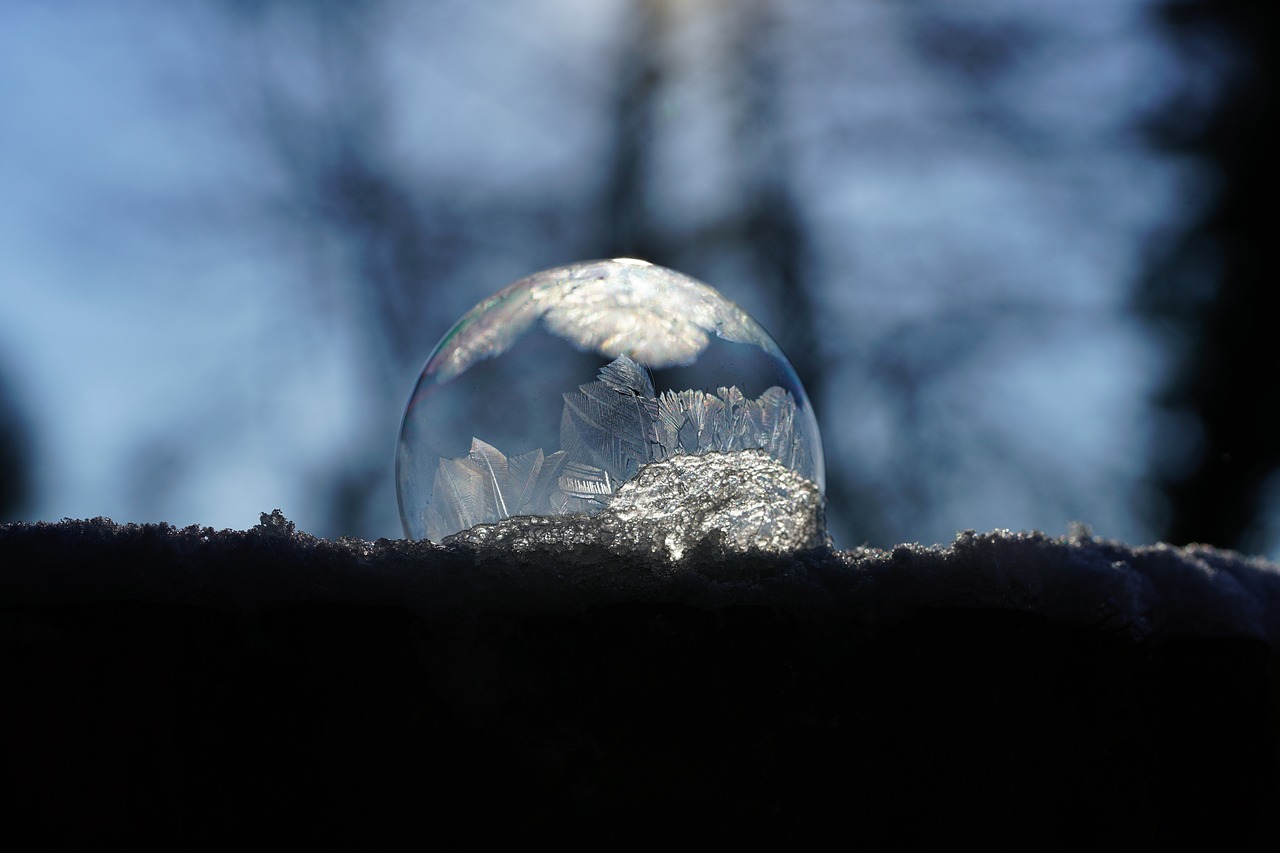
(611, 393)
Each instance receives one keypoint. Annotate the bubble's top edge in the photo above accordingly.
(657, 315)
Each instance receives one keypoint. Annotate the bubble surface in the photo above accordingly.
(552, 395)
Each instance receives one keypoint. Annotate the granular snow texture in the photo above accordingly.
(192, 686)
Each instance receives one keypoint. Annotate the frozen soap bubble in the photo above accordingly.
(613, 399)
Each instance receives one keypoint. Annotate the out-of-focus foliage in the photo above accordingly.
(236, 229)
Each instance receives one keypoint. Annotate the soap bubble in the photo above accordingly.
(616, 389)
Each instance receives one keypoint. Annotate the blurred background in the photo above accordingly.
(1017, 251)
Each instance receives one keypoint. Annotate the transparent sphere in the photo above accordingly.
(617, 389)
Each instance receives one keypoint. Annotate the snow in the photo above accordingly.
(1148, 593)
(1010, 686)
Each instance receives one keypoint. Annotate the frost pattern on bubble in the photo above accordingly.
(610, 425)
(610, 429)
(485, 486)
(659, 316)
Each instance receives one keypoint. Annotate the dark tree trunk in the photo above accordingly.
(1216, 291)
(626, 229)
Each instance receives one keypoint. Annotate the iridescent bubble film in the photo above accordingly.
(618, 390)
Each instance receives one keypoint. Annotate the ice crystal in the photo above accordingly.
(485, 486)
(610, 430)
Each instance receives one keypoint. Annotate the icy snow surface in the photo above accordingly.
(1148, 592)
(741, 500)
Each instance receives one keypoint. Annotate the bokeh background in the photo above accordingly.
(1019, 252)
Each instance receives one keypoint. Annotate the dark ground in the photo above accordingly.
(198, 688)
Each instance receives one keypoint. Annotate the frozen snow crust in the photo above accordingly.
(185, 687)
(1148, 593)
(744, 500)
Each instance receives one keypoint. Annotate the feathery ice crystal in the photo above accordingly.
(552, 397)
